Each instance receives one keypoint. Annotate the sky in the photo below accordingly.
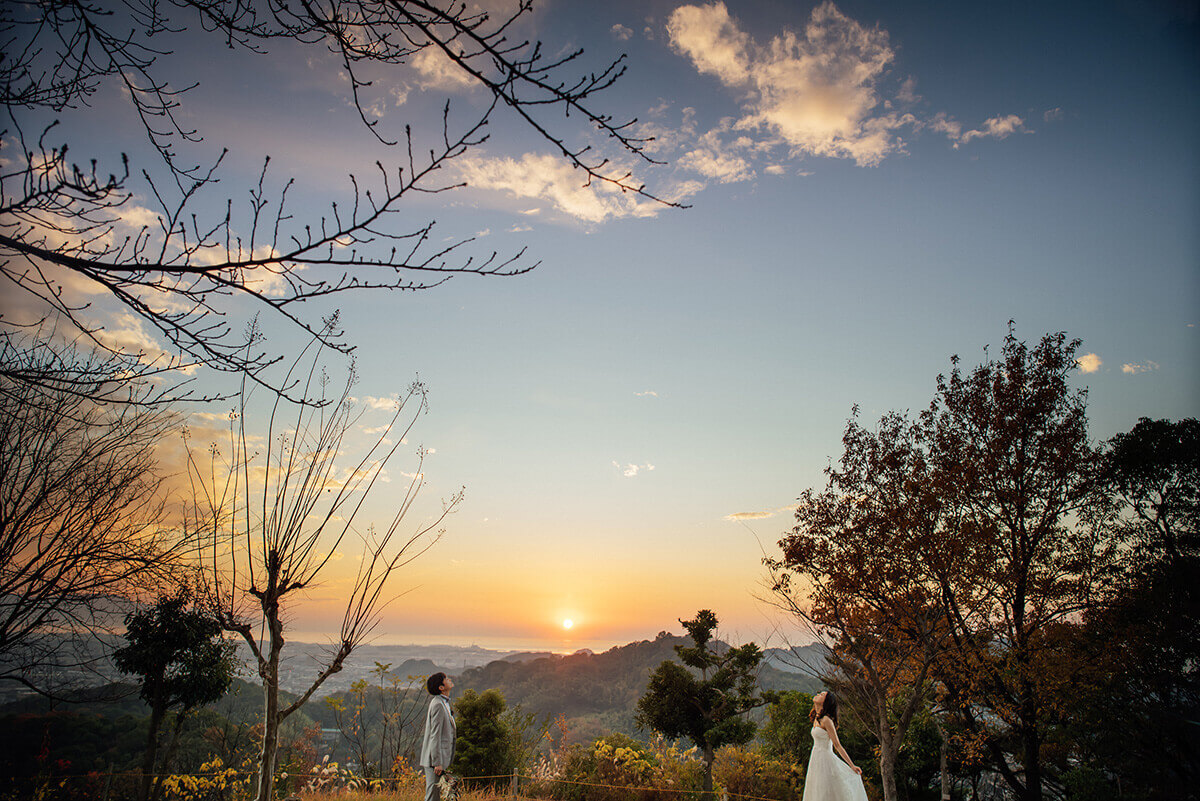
(872, 188)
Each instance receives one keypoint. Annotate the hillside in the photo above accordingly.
(596, 692)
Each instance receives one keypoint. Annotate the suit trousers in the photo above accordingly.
(432, 792)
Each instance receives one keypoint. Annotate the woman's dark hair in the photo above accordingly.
(829, 708)
(434, 684)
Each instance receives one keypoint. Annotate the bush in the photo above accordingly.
(483, 747)
(745, 772)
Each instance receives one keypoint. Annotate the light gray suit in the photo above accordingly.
(437, 749)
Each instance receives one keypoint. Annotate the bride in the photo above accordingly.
(829, 778)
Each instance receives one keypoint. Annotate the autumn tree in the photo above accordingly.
(270, 523)
(82, 515)
(709, 708)
(149, 232)
(855, 572)
(182, 661)
(1009, 454)
(955, 552)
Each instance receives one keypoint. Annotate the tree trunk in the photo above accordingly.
(709, 756)
(270, 743)
(157, 711)
(271, 718)
(943, 758)
(172, 747)
(888, 748)
(1033, 765)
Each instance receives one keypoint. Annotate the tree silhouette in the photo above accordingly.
(1143, 641)
(82, 519)
(182, 661)
(708, 709)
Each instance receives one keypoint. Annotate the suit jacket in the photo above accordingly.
(437, 749)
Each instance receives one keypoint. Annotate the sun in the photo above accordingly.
(567, 623)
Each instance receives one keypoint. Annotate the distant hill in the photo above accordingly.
(530, 656)
(242, 704)
(806, 659)
(596, 692)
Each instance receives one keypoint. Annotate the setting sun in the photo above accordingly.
(567, 623)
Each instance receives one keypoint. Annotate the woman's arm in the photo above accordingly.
(831, 730)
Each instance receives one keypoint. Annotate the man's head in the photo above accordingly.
(436, 682)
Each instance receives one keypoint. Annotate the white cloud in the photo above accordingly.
(758, 515)
(483, 233)
(621, 33)
(651, 393)
(1053, 115)
(818, 92)
(815, 91)
(127, 333)
(388, 403)
(1089, 362)
(995, 127)
(775, 169)
(713, 159)
(550, 179)
(631, 470)
(520, 229)
(439, 72)
(908, 91)
(1134, 369)
(211, 416)
(749, 515)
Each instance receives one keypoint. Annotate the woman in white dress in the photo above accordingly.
(829, 778)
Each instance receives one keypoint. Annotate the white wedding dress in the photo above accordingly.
(829, 778)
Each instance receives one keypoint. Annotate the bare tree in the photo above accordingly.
(81, 512)
(270, 523)
(60, 221)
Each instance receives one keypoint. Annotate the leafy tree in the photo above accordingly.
(349, 714)
(709, 709)
(786, 734)
(1154, 470)
(181, 661)
(527, 735)
(1010, 458)
(1144, 641)
(483, 746)
(957, 552)
(855, 571)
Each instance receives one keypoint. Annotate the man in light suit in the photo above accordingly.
(437, 749)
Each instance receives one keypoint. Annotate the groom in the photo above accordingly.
(437, 749)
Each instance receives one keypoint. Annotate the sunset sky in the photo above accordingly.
(874, 187)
